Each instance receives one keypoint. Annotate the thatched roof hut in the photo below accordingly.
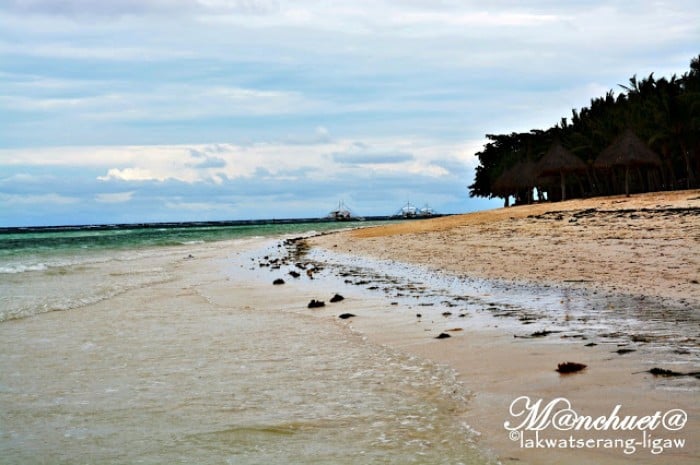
(560, 161)
(518, 177)
(627, 150)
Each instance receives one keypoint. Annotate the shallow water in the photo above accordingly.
(172, 359)
(199, 369)
(49, 269)
(662, 330)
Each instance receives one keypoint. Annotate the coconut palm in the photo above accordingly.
(663, 113)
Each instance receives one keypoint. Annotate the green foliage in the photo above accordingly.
(664, 113)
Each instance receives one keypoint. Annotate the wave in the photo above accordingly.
(22, 268)
(70, 291)
(32, 286)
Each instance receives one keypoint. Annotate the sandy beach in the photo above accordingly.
(646, 247)
(645, 244)
(204, 359)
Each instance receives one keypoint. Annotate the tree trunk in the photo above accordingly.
(601, 187)
(591, 184)
(666, 166)
(580, 185)
(627, 180)
(640, 176)
(690, 176)
(563, 185)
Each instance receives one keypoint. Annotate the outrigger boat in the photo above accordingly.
(411, 211)
(343, 213)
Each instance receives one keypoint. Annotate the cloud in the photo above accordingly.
(10, 200)
(166, 102)
(257, 180)
(210, 162)
(112, 8)
(131, 174)
(479, 19)
(278, 106)
(198, 71)
(116, 197)
(205, 161)
(25, 179)
(371, 158)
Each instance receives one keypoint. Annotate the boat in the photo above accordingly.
(427, 211)
(409, 211)
(343, 213)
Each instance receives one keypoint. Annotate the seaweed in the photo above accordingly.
(570, 367)
(316, 303)
(670, 373)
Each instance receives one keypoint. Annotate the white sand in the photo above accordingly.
(653, 253)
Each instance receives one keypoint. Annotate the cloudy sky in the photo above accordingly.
(176, 110)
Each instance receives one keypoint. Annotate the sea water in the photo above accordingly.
(120, 347)
(59, 268)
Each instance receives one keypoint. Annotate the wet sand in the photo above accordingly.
(647, 244)
(216, 365)
(646, 247)
(74, 358)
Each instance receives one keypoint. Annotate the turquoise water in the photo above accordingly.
(22, 249)
(49, 269)
(160, 346)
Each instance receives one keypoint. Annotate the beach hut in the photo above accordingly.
(627, 151)
(560, 161)
(520, 177)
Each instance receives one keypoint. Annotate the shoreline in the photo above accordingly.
(645, 244)
(497, 367)
(213, 285)
(215, 365)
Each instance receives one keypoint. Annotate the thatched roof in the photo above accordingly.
(627, 150)
(558, 159)
(520, 176)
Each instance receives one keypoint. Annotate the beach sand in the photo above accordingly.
(214, 364)
(647, 246)
(153, 372)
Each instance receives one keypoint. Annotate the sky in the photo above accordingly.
(124, 111)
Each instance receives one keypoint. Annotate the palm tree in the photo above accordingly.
(664, 113)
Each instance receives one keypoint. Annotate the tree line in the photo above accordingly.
(646, 138)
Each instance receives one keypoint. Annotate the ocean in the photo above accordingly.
(157, 344)
(59, 268)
